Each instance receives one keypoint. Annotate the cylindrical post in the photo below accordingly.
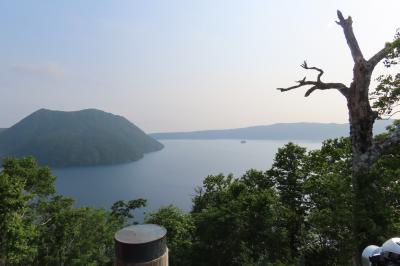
(141, 245)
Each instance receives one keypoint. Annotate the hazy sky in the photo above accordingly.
(182, 65)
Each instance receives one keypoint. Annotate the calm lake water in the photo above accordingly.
(168, 176)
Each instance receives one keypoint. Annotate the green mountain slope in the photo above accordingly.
(79, 138)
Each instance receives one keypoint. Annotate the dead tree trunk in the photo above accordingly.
(361, 117)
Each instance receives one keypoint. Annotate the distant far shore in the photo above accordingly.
(280, 131)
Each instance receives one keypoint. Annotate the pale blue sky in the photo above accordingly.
(182, 65)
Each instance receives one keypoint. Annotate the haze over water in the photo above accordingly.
(168, 176)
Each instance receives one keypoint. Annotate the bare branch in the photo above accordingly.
(316, 85)
(346, 25)
(48, 220)
(389, 47)
(373, 61)
(380, 148)
(340, 17)
(310, 90)
(390, 116)
(321, 72)
(302, 82)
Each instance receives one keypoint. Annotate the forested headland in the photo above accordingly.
(79, 138)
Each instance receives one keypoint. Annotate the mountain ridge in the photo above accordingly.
(76, 138)
(278, 131)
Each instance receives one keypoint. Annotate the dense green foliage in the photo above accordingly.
(386, 95)
(39, 227)
(180, 228)
(298, 212)
(87, 137)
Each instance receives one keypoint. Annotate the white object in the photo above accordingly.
(392, 245)
(369, 252)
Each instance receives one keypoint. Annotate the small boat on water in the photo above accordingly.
(243, 142)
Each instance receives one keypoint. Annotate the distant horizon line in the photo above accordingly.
(259, 125)
(193, 130)
(229, 128)
(233, 128)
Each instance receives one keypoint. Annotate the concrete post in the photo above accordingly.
(141, 245)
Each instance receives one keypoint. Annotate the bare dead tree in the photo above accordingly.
(365, 150)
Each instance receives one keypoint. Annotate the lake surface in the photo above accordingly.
(168, 176)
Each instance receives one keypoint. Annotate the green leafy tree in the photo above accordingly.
(180, 228)
(288, 175)
(23, 186)
(123, 210)
(236, 222)
(386, 95)
(75, 236)
(329, 199)
(39, 227)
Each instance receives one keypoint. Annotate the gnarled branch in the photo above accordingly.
(380, 148)
(321, 72)
(316, 85)
(389, 47)
(373, 61)
(347, 27)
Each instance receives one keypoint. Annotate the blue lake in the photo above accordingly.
(168, 176)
